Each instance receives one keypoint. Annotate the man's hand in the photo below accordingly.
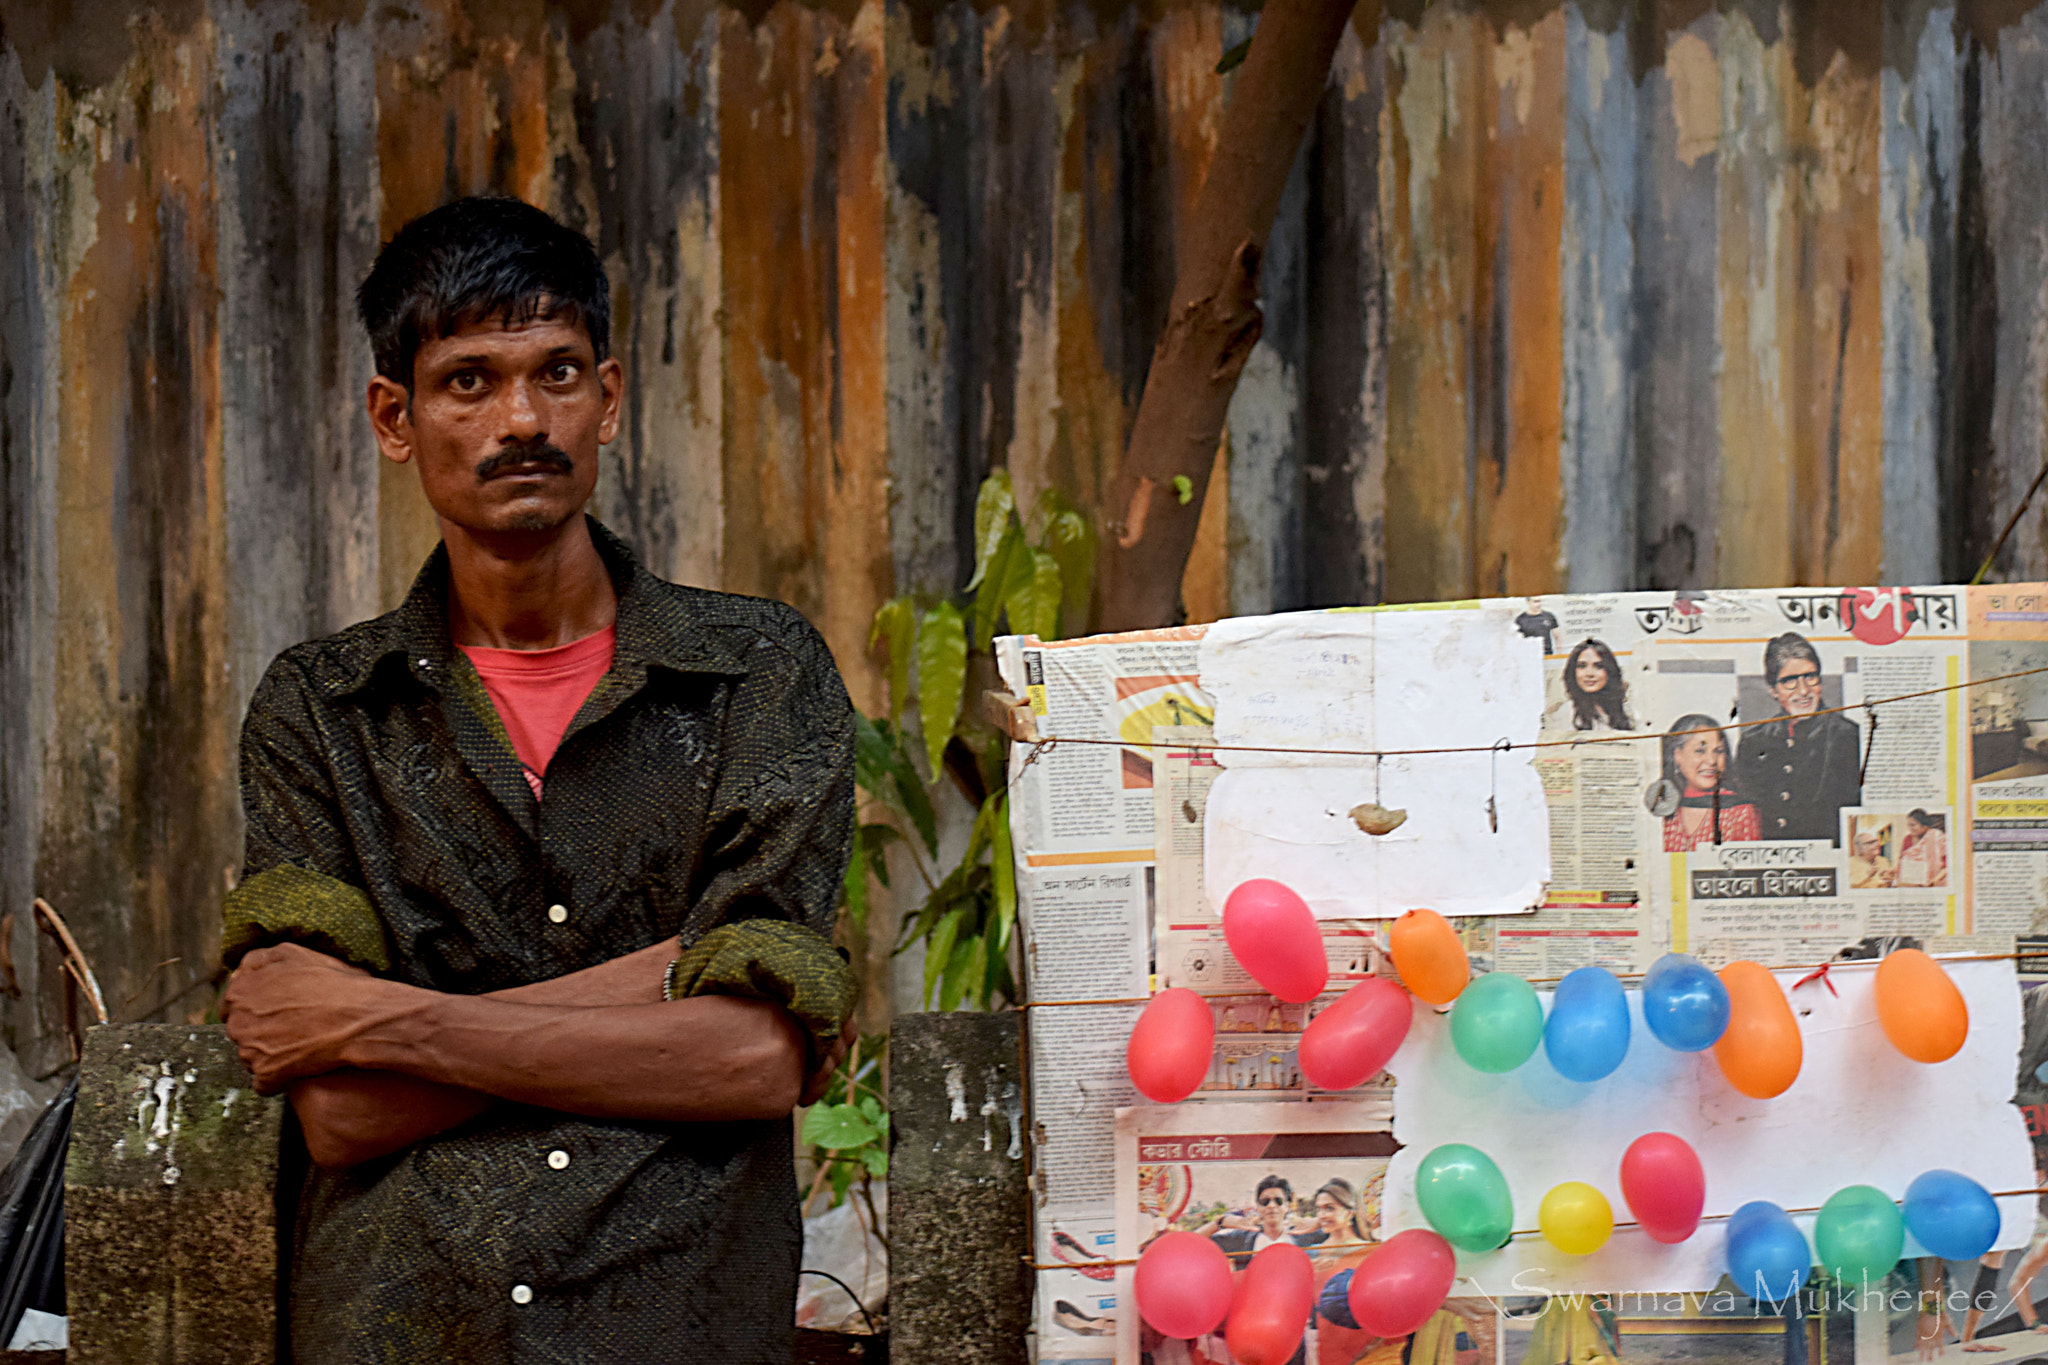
(821, 1075)
(290, 1011)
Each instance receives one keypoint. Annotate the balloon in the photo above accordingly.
(1465, 1197)
(1182, 1284)
(1684, 1004)
(1270, 1310)
(1274, 937)
(1400, 1286)
(1430, 956)
(1920, 1008)
(1767, 1255)
(1171, 1046)
(1497, 1023)
(1665, 1186)
(1859, 1234)
(1575, 1218)
(1349, 1043)
(1761, 1051)
(1951, 1215)
(1587, 1033)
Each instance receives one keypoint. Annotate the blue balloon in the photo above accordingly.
(1684, 1004)
(1586, 1035)
(1768, 1258)
(1951, 1215)
(1335, 1301)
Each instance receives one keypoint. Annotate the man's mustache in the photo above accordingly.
(528, 453)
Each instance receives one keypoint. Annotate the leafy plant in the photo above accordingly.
(1038, 584)
(848, 1128)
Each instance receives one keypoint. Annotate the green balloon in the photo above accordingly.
(1859, 1235)
(1497, 1023)
(1465, 1197)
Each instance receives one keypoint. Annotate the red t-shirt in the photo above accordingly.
(538, 692)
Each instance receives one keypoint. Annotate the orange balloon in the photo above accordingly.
(1429, 956)
(1922, 1011)
(1761, 1051)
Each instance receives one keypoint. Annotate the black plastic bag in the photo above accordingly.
(32, 1217)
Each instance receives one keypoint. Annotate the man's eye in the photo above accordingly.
(466, 381)
(564, 373)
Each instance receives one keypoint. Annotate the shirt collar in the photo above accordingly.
(655, 627)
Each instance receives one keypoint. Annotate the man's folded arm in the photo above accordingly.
(350, 1115)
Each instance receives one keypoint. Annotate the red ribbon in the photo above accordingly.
(1819, 974)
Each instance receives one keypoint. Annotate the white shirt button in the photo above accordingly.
(558, 914)
(558, 1160)
(522, 1293)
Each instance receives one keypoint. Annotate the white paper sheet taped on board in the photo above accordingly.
(1379, 681)
(1859, 1114)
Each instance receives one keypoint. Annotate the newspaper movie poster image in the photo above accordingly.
(1318, 1190)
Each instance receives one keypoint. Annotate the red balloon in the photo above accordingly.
(1275, 938)
(1664, 1184)
(1349, 1043)
(1400, 1286)
(1269, 1312)
(1171, 1046)
(1182, 1284)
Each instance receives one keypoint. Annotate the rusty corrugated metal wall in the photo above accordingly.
(1586, 296)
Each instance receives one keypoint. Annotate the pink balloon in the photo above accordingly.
(1400, 1286)
(1274, 937)
(1350, 1042)
(1269, 1312)
(1664, 1184)
(1182, 1284)
(1170, 1047)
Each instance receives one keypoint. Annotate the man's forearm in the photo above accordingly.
(708, 1058)
(351, 1115)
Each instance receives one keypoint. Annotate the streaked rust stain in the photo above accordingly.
(1840, 416)
(1519, 489)
(1432, 144)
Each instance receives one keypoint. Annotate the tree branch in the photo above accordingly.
(1214, 321)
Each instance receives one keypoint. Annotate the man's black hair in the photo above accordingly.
(487, 256)
(1274, 1182)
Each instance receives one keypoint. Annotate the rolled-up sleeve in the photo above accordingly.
(299, 882)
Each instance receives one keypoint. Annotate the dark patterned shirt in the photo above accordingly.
(707, 780)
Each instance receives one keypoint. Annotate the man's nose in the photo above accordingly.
(522, 415)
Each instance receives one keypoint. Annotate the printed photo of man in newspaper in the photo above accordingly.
(1802, 767)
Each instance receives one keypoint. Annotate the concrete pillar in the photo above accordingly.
(959, 1283)
(170, 1202)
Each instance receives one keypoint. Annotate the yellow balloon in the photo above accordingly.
(1576, 1218)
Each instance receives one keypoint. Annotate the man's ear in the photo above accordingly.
(390, 408)
(611, 377)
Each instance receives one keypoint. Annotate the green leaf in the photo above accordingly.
(1184, 489)
(993, 507)
(833, 1126)
(1070, 540)
(854, 891)
(1234, 58)
(882, 767)
(1020, 589)
(842, 1175)
(873, 840)
(988, 601)
(938, 952)
(896, 624)
(995, 971)
(1047, 593)
(941, 677)
(963, 972)
(871, 1109)
(1004, 869)
(876, 1160)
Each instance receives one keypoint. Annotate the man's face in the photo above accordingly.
(504, 421)
(1798, 687)
(1272, 1210)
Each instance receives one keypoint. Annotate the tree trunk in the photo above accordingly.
(1214, 321)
